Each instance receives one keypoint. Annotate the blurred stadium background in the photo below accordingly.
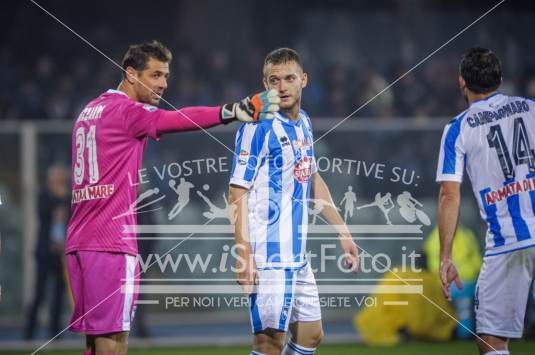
(351, 50)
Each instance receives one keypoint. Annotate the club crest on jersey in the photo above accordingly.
(303, 169)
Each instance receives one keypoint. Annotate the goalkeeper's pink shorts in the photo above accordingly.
(104, 289)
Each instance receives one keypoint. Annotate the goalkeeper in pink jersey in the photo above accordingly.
(108, 140)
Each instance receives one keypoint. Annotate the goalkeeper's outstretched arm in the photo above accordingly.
(258, 107)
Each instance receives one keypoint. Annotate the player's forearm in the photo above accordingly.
(188, 119)
(332, 217)
(320, 191)
(448, 214)
(238, 211)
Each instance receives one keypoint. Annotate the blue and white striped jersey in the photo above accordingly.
(274, 159)
(494, 141)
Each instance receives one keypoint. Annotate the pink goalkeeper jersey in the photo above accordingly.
(108, 140)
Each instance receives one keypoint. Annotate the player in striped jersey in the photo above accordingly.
(493, 140)
(273, 177)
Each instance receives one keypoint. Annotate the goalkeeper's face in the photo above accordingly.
(151, 82)
(289, 80)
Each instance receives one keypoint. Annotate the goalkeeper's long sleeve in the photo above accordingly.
(258, 107)
(188, 119)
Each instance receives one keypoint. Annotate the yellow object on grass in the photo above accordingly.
(381, 324)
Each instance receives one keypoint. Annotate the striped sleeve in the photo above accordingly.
(248, 155)
(452, 155)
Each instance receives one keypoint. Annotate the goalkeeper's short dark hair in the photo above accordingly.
(281, 56)
(481, 70)
(137, 56)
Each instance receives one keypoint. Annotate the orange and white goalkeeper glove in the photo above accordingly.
(251, 109)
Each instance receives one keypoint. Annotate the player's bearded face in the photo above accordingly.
(289, 80)
(152, 82)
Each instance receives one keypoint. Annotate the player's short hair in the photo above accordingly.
(481, 70)
(281, 56)
(137, 56)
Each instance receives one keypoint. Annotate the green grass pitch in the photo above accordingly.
(412, 348)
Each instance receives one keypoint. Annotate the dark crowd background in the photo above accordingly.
(351, 49)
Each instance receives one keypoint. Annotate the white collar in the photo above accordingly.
(283, 118)
(494, 97)
(113, 91)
